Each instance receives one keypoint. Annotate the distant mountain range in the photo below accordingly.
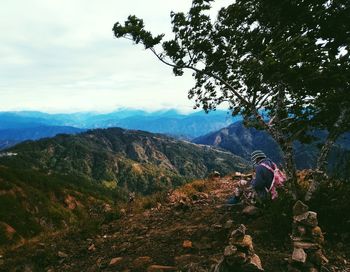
(242, 141)
(12, 136)
(30, 125)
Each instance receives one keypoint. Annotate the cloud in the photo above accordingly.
(60, 55)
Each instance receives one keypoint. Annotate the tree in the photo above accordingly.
(263, 58)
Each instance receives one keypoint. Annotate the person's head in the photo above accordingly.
(257, 156)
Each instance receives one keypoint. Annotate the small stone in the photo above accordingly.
(247, 242)
(160, 268)
(306, 245)
(299, 255)
(187, 244)
(228, 224)
(115, 261)
(62, 254)
(307, 219)
(230, 251)
(238, 234)
(317, 234)
(299, 208)
(250, 211)
(92, 247)
(255, 263)
(122, 212)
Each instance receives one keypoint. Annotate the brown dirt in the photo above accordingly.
(156, 237)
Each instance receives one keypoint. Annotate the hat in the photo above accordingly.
(256, 155)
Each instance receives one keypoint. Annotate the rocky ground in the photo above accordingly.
(181, 234)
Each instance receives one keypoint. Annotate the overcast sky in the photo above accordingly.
(61, 56)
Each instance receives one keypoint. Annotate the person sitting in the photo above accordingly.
(261, 184)
(264, 174)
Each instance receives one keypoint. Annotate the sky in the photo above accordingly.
(61, 56)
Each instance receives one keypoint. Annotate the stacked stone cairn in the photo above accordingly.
(239, 255)
(307, 239)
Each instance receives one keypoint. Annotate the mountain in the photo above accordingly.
(12, 136)
(241, 141)
(134, 160)
(169, 122)
(58, 182)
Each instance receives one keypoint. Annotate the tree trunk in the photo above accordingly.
(322, 161)
(290, 167)
(331, 138)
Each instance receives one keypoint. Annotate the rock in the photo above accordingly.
(307, 219)
(160, 268)
(228, 224)
(306, 245)
(92, 247)
(141, 262)
(317, 234)
(187, 244)
(299, 255)
(216, 174)
(115, 261)
(107, 208)
(299, 208)
(122, 212)
(247, 242)
(250, 211)
(238, 234)
(230, 251)
(254, 264)
(61, 254)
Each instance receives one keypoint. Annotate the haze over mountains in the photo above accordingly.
(29, 125)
